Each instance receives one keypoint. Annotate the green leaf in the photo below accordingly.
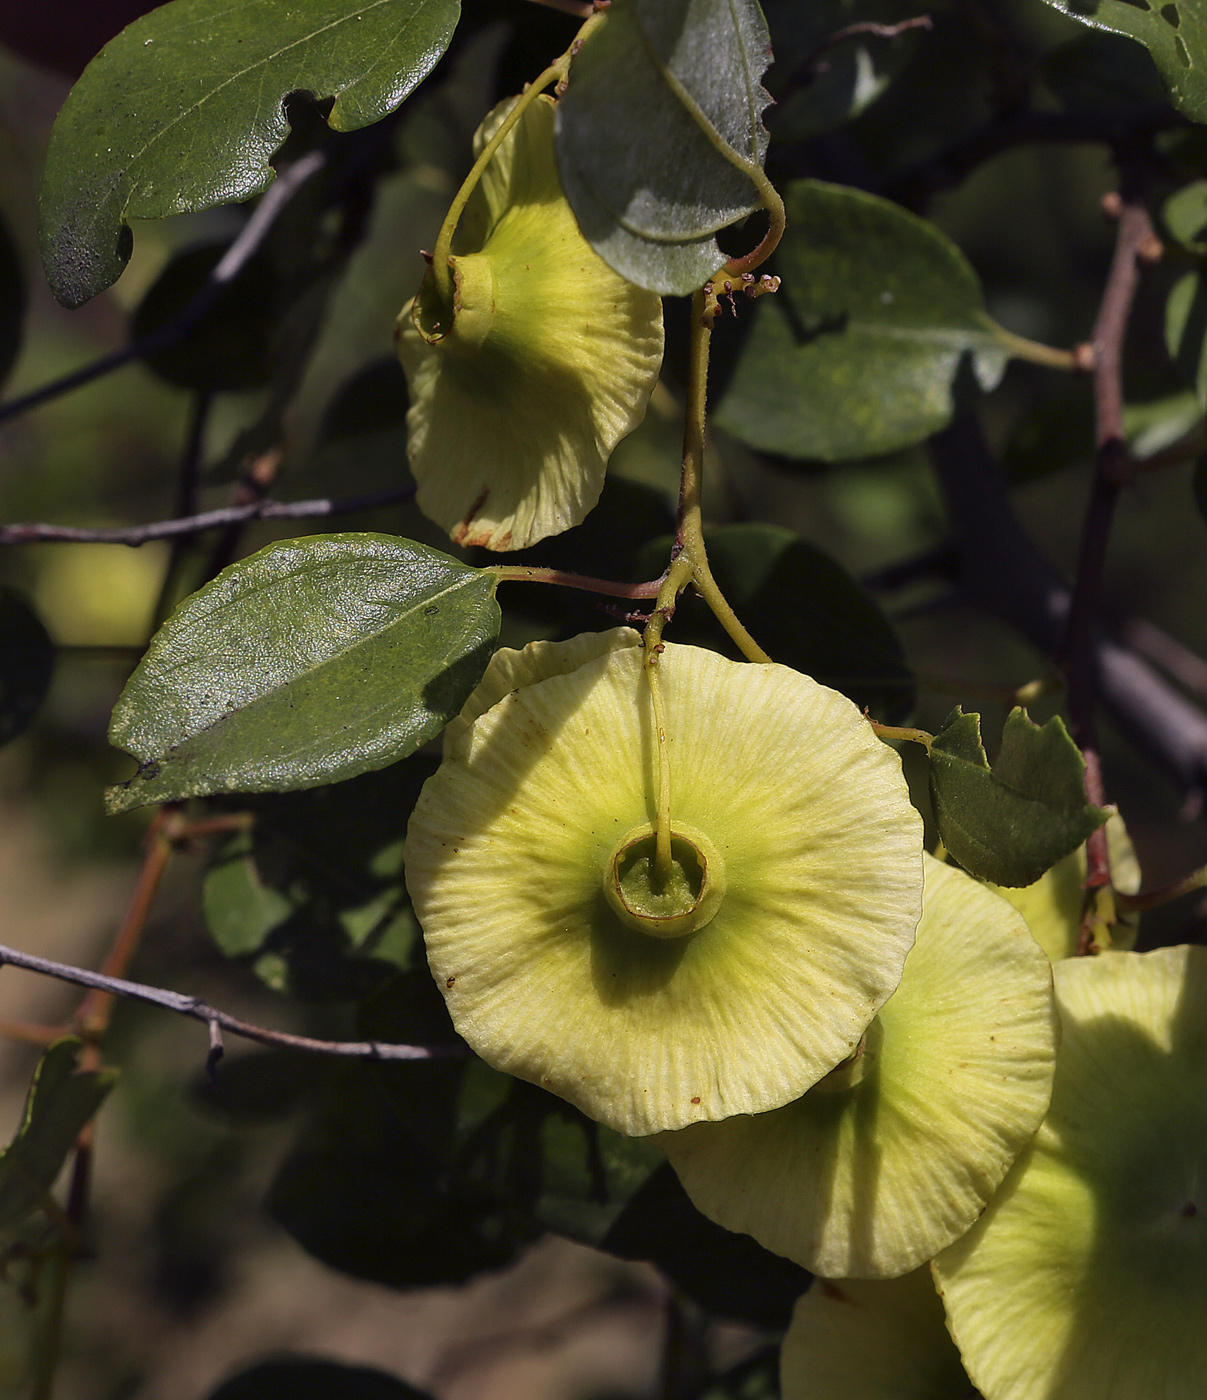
(60, 1102)
(231, 346)
(728, 1274)
(1010, 823)
(27, 657)
(12, 302)
(1175, 34)
(307, 1378)
(504, 1140)
(648, 186)
(312, 661)
(366, 1196)
(183, 110)
(803, 609)
(1184, 214)
(859, 352)
(818, 88)
(1186, 330)
(313, 895)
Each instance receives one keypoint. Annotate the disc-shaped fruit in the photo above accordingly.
(1086, 1279)
(782, 789)
(889, 1159)
(545, 360)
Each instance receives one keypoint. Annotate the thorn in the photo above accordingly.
(1150, 249)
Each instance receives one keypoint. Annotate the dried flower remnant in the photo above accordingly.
(795, 889)
(546, 359)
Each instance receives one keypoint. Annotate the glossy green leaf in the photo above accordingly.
(647, 183)
(183, 110)
(12, 302)
(312, 661)
(310, 1378)
(859, 352)
(61, 1100)
(1011, 822)
(312, 896)
(27, 657)
(728, 1274)
(1174, 33)
(803, 609)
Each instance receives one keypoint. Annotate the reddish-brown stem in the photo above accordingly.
(518, 573)
(96, 1009)
(1111, 471)
(29, 1033)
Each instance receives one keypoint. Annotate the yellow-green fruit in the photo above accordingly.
(1086, 1279)
(799, 861)
(891, 1158)
(522, 388)
(1053, 905)
(862, 1339)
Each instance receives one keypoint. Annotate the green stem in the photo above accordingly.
(556, 72)
(893, 731)
(677, 578)
(1023, 349)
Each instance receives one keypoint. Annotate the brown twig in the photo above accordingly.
(135, 535)
(1112, 471)
(198, 1010)
(809, 64)
(29, 1032)
(581, 9)
(520, 573)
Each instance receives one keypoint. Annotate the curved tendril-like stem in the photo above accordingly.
(895, 731)
(556, 72)
(1051, 356)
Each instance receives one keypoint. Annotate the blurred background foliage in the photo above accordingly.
(292, 1205)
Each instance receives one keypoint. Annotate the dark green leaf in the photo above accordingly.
(60, 1102)
(803, 609)
(648, 186)
(1175, 34)
(230, 347)
(26, 663)
(12, 302)
(364, 1195)
(859, 352)
(310, 662)
(313, 895)
(310, 1379)
(1010, 823)
(510, 1141)
(1185, 215)
(730, 1275)
(183, 110)
(1101, 70)
(818, 87)
(1186, 330)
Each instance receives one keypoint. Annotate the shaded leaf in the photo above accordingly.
(306, 1378)
(1186, 330)
(728, 1274)
(60, 1102)
(755, 1378)
(182, 111)
(818, 87)
(859, 352)
(1200, 486)
(803, 609)
(312, 896)
(312, 661)
(230, 346)
(261, 1086)
(1184, 214)
(12, 302)
(363, 1194)
(522, 1147)
(27, 658)
(1101, 70)
(647, 184)
(1010, 823)
(1174, 33)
